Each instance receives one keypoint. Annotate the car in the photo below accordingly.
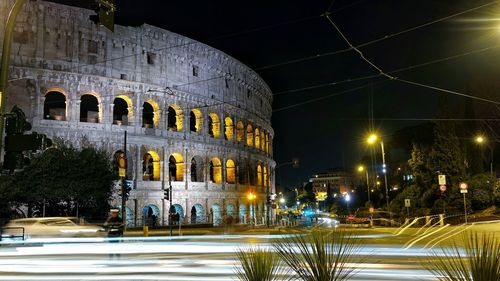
(51, 227)
(328, 222)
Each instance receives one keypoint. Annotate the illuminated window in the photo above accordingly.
(151, 166)
(195, 121)
(249, 135)
(54, 107)
(121, 113)
(263, 141)
(174, 118)
(176, 167)
(228, 128)
(213, 125)
(89, 109)
(215, 170)
(259, 175)
(257, 138)
(265, 178)
(267, 143)
(147, 115)
(230, 172)
(240, 131)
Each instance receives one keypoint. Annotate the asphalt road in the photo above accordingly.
(389, 254)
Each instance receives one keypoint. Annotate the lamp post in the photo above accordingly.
(361, 169)
(372, 139)
(481, 140)
(347, 200)
(251, 197)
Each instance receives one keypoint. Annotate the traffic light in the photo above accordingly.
(166, 194)
(105, 10)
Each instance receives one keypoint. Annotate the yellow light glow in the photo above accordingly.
(361, 168)
(479, 139)
(372, 138)
(251, 196)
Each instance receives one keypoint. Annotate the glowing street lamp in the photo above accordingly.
(251, 197)
(361, 168)
(347, 200)
(481, 140)
(372, 138)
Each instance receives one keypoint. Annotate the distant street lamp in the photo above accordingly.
(361, 169)
(347, 199)
(371, 140)
(481, 140)
(251, 197)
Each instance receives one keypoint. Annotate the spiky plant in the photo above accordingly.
(320, 255)
(258, 264)
(478, 259)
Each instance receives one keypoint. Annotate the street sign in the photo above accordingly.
(463, 187)
(442, 188)
(407, 203)
(442, 179)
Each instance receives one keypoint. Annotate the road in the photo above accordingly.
(208, 257)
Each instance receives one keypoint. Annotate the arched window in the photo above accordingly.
(197, 169)
(174, 118)
(89, 109)
(230, 172)
(240, 131)
(176, 167)
(265, 178)
(215, 170)
(257, 138)
(249, 135)
(121, 113)
(213, 125)
(267, 143)
(263, 141)
(151, 166)
(147, 115)
(228, 128)
(259, 175)
(195, 121)
(54, 106)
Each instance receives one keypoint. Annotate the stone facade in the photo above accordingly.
(190, 111)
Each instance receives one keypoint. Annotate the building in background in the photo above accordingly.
(338, 181)
(195, 117)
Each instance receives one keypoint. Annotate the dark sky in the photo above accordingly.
(325, 126)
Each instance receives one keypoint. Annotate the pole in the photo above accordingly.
(4, 67)
(124, 181)
(385, 180)
(268, 207)
(170, 200)
(491, 161)
(368, 186)
(465, 209)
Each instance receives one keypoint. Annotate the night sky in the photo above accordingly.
(316, 120)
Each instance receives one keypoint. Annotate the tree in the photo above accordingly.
(65, 180)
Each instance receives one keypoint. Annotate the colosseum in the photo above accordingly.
(195, 118)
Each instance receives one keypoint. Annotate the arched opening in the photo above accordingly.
(263, 141)
(230, 172)
(243, 213)
(174, 118)
(267, 143)
(54, 106)
(176, 167)
(216, 214)
(228, 129)
(230, 211)
(129, 215)
(215, 170)
(240, 131)
(249, 135)
(197, 169)
(89, 109)
(195, 121)
(257, 138)
(147, 115)
(213, 125)
(151, 215)
(259, 175)
(121, 105)
(151, 166)
(177, 213)
(197, 213)
(243, 173)
(265, 177)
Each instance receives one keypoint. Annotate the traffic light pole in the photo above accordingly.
(124, 182)
(4, 67)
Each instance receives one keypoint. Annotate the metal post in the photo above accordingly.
(170, 200)
(4, 67)
(124, 181)
(268, 206)
(368, 186)
(465, 209)
(385, 179)
(491, 162)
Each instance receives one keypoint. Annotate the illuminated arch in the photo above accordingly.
(156, 113)
(122, 110)
(176, 167)
(195, 121)
(240, 131)
(151, 166)
(55, 105)
(230, 171)
(215, 170)
(228, 128)
(174, 118)
(262, 141)
(257, 138)
(150, 114)
(267, 143)
(249, 135)
(259, 175)
(197, 171)
(265, 177)
(89, 108)
(213, 125)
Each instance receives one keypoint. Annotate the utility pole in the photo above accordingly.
(4, 67)
(124, 181)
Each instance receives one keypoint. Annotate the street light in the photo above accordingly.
(371, 140)
(251, 197)
(347, 199)
(481, 140)
(361, 169)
